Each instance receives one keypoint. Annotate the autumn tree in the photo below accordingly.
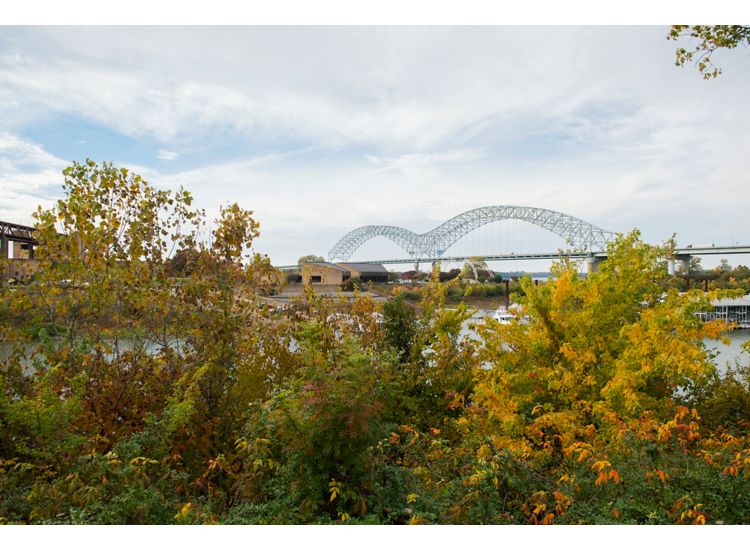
(169, 357)
(309, 258)
(710, 38)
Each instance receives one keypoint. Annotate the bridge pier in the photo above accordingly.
(3, 256)
(682, 262)
(592, 264)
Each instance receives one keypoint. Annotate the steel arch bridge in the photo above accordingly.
(578, 233)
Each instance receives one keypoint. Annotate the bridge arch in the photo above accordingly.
(433, 244)
(407, 240)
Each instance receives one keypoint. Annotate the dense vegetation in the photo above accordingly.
(723, 276)
(146, 384)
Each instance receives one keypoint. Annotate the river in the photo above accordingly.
(731, 353)
(726, 354)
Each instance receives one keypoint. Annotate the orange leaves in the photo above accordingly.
(600, 465)
(562, 502)
(536, 509)
(409, 430)
(606, 472)
(686, 513)
(740, 464)
(579, 450)
(729, 453)
(541, 510)
(659, 474)
(685, 432)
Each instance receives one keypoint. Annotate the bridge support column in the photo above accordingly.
(684, 263)
(3, 256)
(592, 264)
(416, 266)
(18, 251)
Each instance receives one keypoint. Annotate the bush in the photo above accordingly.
(355, 283)
(399, 323)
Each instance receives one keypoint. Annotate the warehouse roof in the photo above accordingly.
(327, 265)
(365, 268)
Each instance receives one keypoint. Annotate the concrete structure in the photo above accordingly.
(730, 310)
(375, 273)
(324, 273)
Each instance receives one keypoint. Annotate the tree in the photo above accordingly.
(158, 358)
(711, 38)
(399, 323)
(450, 275)
(309, 258)
(597, 350)
(354, 283)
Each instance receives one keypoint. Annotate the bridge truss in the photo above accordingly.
(17, 233)
(577, 233)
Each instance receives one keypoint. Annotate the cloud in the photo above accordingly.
(322, 129)
(165, 154)
(29, 177)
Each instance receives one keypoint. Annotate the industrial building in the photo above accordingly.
(324, 273)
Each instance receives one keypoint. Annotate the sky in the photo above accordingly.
(319, 130)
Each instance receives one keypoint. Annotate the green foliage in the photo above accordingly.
(399, 324)
(411, 295)
(354, 283)
(711, 38)
(309, 258)
(320, 427)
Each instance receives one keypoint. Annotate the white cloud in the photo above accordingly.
(29, 177)
(410, 126)
(165, 154)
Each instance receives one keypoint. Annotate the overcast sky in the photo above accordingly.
(319, 130)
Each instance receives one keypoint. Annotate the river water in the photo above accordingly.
(726, 354)
(732, 353)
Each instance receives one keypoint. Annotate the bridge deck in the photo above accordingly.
(678, 252)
